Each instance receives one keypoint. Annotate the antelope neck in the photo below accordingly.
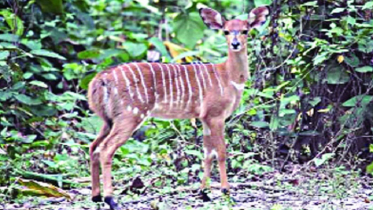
(237, 63)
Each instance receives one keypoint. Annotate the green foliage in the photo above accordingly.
(311, 90)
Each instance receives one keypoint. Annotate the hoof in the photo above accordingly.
(97, 198)
(204, 196)
(110, 201)
(225, 191)
(227, 194)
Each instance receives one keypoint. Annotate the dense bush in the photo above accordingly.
(309, 98)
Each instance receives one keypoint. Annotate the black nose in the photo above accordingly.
(235, 45)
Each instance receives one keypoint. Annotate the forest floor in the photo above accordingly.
(331, 189)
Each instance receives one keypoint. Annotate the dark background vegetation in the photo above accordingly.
(308, 101)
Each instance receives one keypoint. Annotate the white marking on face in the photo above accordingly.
(127, 81)
(164, 83)
(170, 80)
(218, 79)
(142, 115)
(238, 87)
(206, 71)
(143, 82)
(135, 110)
(148, 112)
(135, 81)
(181, 84)
(189, 86)
(199, 86)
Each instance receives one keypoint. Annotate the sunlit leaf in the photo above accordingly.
(47, 53)
(44, 189)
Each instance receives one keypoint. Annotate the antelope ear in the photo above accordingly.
(257, 17)
(212, 18)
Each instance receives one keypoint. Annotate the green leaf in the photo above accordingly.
(363, 100)
(311, 4)
(13, 21)
(54, 6)
(368, 5)
(314, 101)
(260, 124)
(352, 61)
(39, 84)
(159, 46)
(89, 54)
(135, 49)
(338, 10)
(85, 81)
(258, 3)
(188, 28)
(324, 158)
(336, 75)
(5, 95)
(364, 69)
(47, 53)
(4, 55)
(9, 37)
(27, 100)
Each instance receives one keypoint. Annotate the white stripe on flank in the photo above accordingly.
(199, 86)
(143, 82)
(181, 83)
(201, 72)
(105, 99)
(164, 83)
(189, 86)
(115, 76)
(127, 81)
(218, 79)
(154, 82)
(177, 85)
(208, 75)
(170, 79)
(135, 81)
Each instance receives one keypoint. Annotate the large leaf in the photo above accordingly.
(54, 6)
(44, 189)
(47, 53)
(337, 75)
(159, 45)
(364, 69)
(262, 2)
(27, 100)
(13, 21)
(363, 100)
(188, 28)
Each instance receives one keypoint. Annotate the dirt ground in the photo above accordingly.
(273, 191)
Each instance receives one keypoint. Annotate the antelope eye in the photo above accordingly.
(245, 31)
(226, 32)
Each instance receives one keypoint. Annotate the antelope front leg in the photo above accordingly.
(214, 145)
